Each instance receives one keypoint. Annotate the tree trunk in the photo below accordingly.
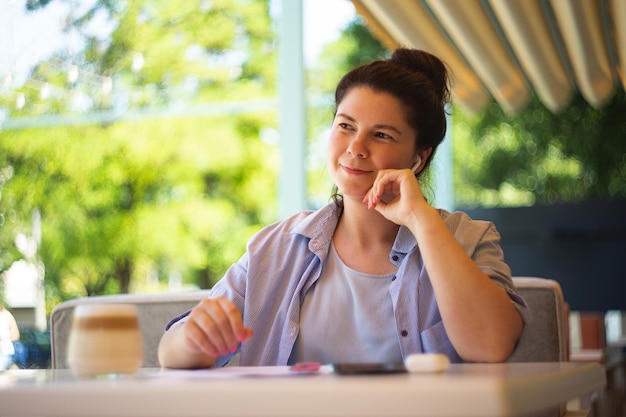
(124, 268)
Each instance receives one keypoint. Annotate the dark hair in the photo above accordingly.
(419, 80)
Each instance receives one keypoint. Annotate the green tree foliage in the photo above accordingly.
(141, 196)
(356, 45)
(157, 53)
(125, 202)
(537, 157)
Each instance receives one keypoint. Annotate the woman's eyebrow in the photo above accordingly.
(345, 116)
(388, 127)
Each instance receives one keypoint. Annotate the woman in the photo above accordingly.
(377, 274)
(9, 333)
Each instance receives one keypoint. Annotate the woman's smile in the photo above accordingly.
(355, 171)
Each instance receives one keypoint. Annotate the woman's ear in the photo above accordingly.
(416, 165)
(422, 155)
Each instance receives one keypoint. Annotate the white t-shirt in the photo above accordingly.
(6, 345)
(347, 317)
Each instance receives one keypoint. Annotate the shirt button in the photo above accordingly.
(404, 333)
(394, 278)
(395, 258)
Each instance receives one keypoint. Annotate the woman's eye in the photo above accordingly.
(345, 127)
(382, 135)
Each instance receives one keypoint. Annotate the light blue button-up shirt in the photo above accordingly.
(284, 260)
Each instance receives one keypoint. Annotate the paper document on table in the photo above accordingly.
(243, 372)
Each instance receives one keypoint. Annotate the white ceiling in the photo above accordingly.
(509, 50)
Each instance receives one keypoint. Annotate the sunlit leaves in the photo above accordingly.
(138, 192)
(130, 202)
(537, 157)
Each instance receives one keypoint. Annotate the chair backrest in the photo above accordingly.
(545, 337)
(154, 311)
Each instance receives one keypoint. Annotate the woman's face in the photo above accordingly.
(369, 134)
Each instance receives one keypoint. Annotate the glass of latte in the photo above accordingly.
(105, 339)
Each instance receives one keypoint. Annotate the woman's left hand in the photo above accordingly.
(395, 194)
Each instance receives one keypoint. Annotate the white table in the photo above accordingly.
(465, 390)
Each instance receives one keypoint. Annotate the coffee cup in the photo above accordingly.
(105, 339)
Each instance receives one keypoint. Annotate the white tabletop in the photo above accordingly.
(510, 389)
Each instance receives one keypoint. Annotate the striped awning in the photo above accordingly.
(509, 50)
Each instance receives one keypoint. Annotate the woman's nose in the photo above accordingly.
(357, 147)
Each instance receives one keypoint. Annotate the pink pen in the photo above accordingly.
(306, 367)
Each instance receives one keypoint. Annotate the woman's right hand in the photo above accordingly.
(215, 326)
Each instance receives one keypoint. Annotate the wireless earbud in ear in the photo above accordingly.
(416, 164)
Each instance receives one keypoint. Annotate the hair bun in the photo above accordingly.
(429, 65)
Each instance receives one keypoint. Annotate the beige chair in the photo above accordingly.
(546, 337)
(154, 311)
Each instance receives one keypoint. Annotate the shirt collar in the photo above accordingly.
(405, 241)
(319, 227)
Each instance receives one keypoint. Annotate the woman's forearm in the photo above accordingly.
(479, 317)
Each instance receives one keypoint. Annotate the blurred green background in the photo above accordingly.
(142, 154)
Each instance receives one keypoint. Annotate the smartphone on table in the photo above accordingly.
(368, 368)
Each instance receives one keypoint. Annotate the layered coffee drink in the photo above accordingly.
(105, 339)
